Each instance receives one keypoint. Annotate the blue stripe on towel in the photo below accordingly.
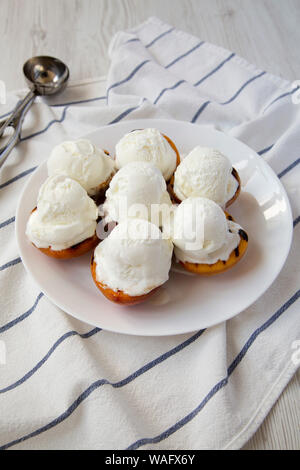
(61, 119)
(125, 113)
(10, 263)
(197, 83)
(63, 116)
(166, 89)
(53, 121)
(289, 168)
(95, 385)
(6, 114)
(70, 103)
(242, 87)
(9, 112)
(215, 69)
(150, 365)
(22, 317)
(288, 93)
(179, 424)
(46, 357)
(296, 221)
(153, 41)
(129, 77)
(236, 94)
(122, 115)
(185, 54)
(7, 222)
(265, 150)
(158, 37)
(202, 108)
(259, 330)
(132, 40)
(17, 177)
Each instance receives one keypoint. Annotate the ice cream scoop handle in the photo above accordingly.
(17, 124)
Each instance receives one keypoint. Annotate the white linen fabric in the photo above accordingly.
(67, 385)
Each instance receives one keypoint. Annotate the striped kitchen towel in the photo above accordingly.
(67, 385)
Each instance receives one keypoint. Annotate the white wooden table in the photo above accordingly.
(265, 32)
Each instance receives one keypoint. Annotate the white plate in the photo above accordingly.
(186, 302)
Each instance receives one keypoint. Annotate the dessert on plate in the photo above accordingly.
(148, 145)
(206, 172)
(134, 259)
(206, 239)
(137, 190)
(90, 166)
(132, 262)
(63, 225)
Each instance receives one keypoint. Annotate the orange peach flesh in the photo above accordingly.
(220, 266)
(174, 148)
(74, 251)
(119, 296)
(238, 190)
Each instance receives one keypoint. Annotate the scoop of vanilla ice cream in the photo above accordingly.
(201, 233)
(134, 258)
(65, 215)
(137, 190)
(81, 161)
(147, 145)
(205, 172)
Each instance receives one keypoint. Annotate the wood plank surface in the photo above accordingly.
(265, 32)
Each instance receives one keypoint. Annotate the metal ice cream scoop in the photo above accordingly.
(45, 76)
